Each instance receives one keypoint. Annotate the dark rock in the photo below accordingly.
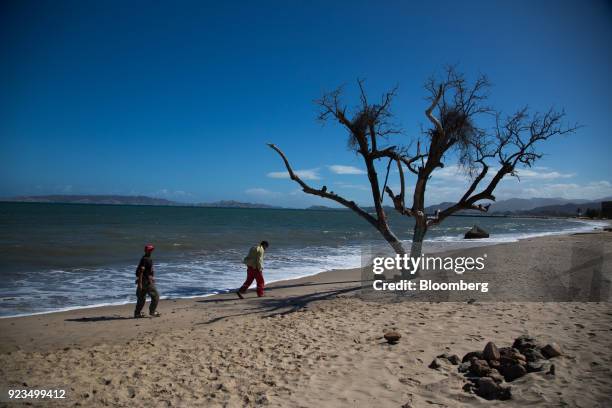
(464, 367)
(468, 387)
(392, 337)
(533, 355)
(454, 359)
(510, 356)
(468, 356)
(480, 368)
(551, 370)
(505, 392)
(551, 350)
(491, 352)
(451, 358)
(524, 342)
(536, 366)
(496, 376)
(494, 364)
(435, 364)
(475, 233)
(490, 390)
(487, 388)
(512, 372)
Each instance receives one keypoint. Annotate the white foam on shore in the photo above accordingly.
(586, 226)
(281, 267)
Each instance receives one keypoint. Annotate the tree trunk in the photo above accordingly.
(420, 229)
(396, 244)
(417, 241)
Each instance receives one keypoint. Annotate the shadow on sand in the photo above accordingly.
(273, 288)
(98, 319)
(267, 306)
(270, 306)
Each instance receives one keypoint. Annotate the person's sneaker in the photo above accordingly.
(139, 315)
(239, 294)
(155, 314)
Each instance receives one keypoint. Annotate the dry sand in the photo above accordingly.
(316, 342)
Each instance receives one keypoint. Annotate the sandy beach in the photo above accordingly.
(318, 341)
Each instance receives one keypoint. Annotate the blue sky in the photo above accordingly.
(177, 99)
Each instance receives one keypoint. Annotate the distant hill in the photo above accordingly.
(324, 207)
(128, 200)
(94, 199)
(563, 210)
(526, 204)
(530, 206)
(235, 204)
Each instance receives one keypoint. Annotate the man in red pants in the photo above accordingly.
(254, 262)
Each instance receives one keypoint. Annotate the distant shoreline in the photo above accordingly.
(264, 207)
(128, 200)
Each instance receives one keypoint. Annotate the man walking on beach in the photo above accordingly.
(146, 284)
(254, 262)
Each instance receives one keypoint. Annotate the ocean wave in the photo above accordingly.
(205, 272)
(585, 226)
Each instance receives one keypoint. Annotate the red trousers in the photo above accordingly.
(253, 274)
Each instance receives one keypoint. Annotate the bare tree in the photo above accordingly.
(369, 123)
(455, 106)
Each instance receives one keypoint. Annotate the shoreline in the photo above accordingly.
(319, 278)
(589, 226)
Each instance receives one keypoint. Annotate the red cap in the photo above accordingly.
(149, 248)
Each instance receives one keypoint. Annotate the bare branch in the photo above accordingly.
(323, 191)
(429, 111)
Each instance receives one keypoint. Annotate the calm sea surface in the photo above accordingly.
(61, 256)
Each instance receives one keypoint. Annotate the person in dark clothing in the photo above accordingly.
(145, 281)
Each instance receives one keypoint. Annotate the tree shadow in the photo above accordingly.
(270, 307)
(97, 319)
(273, 288)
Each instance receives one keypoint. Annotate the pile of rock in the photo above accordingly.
(487, 371)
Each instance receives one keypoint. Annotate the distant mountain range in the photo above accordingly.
(528, 205)
(562, 210)
(512, 206)
(235, 204)
(128, 200)
(552, 207)
(94, 199)
(558, 207)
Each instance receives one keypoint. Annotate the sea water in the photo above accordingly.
(63, 256)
